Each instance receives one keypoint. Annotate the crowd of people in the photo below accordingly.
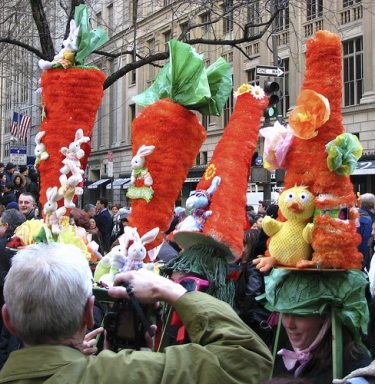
(227, 345)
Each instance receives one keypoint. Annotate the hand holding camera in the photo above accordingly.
(148, 287)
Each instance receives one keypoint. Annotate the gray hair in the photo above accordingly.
(367, 201)
(88, 207)
(46, 292)
(13, 218)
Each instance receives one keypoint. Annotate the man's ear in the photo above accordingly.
(7, 321)
(88, 317)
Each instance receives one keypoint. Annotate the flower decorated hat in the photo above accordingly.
(318, 202)
(212, 234)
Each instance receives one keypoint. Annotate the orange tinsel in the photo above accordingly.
(231, 161)
(336, 243)
(71, 99)
(177, 136)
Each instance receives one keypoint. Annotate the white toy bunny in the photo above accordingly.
(65, 58)
(114, 261)
(144, 189)
(137, 250)
(51, 210)
(138, 165)
(69, 188)
(73, 154)
(40, 149)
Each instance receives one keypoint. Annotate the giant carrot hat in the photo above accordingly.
(318, 159)
(213, 233)
(167, 135)
(322, 156)
(71, 95)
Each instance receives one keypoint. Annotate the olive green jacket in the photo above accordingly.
(223, 350)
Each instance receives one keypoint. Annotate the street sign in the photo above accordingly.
(18, 155)
(266, 70)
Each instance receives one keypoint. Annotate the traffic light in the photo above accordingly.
(270, 88)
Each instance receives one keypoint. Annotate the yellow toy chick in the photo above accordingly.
(289, 240)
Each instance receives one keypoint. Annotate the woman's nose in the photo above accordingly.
(288, 321)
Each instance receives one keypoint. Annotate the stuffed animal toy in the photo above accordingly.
(40, 149)
(137, 250)
(69, 188)
(290, 240)
(73, 154)
(140, 176)
(198, 204)
(66, 57)
(51, 210)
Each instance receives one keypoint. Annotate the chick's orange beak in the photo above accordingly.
(295, 207)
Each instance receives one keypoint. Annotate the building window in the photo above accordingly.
(348, 3)
(167, 2)
(228, 16)
(252, 78)
(167, 36)
(132, 73)
(151, 68)
(206, 121)
(131, 117)
(185, 31)
(253, 18)
(227, 110)
(206, 22)
(7, 150)
(282, 19)
(314, 9)
(228, 57)
(284, 89)
(110, 19)
(353, 71)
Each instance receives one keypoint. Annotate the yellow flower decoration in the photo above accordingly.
(210, 172)
(244, 88)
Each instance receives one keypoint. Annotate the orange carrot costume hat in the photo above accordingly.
(207, 251)
(167, 136)
(321, 156)
(71, 95)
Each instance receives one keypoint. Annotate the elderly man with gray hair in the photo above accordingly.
(49, 305)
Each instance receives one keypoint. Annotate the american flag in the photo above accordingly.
(20, 125)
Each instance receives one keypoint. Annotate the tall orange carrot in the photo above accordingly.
(176, 133)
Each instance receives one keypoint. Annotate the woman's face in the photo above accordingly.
(17, 180)
(92, 224)
(3, 228)
(4, 179)
(302, 329)
(114, 210)
(259, 222)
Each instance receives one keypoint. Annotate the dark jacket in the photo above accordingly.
(8, 197)
(104, 223)
(364, 229)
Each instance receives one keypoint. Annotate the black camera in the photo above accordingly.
(126, 321)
